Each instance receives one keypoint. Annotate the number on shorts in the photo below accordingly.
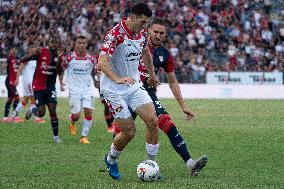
(159, 104)
(53, 94)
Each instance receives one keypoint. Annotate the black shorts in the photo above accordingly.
(12, 90)
(44, 97)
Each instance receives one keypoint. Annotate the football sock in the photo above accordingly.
(15, 104)
(34, 111)
(54, 124)
(152, 150)
(109, 119)
(18, 109)
(7, 108)
(113, 155)
(87, 123)
(72, 118)
(178, 144)
(32, 106)
(190, 163)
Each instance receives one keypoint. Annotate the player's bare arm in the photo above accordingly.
(174, 85)
(32, 55)
(104, 66)
(60, 71)
(21, 67)
(148, 61)
(96, 74)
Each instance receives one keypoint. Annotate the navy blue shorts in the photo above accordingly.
(44, 97)
(12, 90)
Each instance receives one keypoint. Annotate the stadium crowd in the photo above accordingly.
(204, 35)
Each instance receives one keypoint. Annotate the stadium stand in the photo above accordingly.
(204, 35)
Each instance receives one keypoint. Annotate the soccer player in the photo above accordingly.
(27, 70)
(44, 83)
(13, 96)
(121, 51)
(107, 113)
(79, 66)
(163, 59)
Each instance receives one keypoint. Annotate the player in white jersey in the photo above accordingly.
(27, 70)
(79, 66)
(121, 51)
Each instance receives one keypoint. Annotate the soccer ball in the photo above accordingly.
(148, 170)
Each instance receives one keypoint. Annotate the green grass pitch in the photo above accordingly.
(244, 141)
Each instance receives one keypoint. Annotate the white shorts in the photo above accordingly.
(119, 103)
(79, 101)
(27, 87)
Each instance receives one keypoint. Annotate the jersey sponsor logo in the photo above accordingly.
(133, 56)
(80, 71)
(145, 74)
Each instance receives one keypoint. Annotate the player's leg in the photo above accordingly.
(119, 109)
(108, 117)
(51, 104)
(41, 101)
(166, 124)
(9, 102)
(21, 105)
(141, 103)
(87, 104)
(29, 111)
(75, 109)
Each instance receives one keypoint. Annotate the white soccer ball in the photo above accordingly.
(148, 170)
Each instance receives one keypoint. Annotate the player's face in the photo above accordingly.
(139, 23)
(81, 44)
(157, 34)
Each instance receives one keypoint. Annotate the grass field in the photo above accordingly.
(244, 141)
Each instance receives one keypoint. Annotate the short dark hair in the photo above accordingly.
(159, 21)
(81, 36)
(141, 9)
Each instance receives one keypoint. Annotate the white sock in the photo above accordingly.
(86, 127)
(18, 109)
(32, 106)
(190, 163)
(152, 150)
(113, 155)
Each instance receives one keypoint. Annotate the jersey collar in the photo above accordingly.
(125, 28)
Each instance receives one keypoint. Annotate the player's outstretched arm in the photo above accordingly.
(174, 85)
(104, 66)
(32, 55)
(148, 61)
(60, 71)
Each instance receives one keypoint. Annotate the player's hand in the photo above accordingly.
(62, 86)
(126, 80)
(16, 82)
(189, 113)
(153, 81)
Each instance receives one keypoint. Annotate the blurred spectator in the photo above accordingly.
(204, 35)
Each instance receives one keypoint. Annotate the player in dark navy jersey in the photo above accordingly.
(162, 58)
(13, 96)
(44, 82)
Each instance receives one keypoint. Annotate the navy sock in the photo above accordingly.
(34, 111)
(178, 144)
(15, 104)
(7, 108)
(54, 124)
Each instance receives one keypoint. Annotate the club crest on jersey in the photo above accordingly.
(118, 109)
(161, 58)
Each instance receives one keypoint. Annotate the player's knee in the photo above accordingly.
(75, 117)
(10, 100)
(165, 122)
(130, 132)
